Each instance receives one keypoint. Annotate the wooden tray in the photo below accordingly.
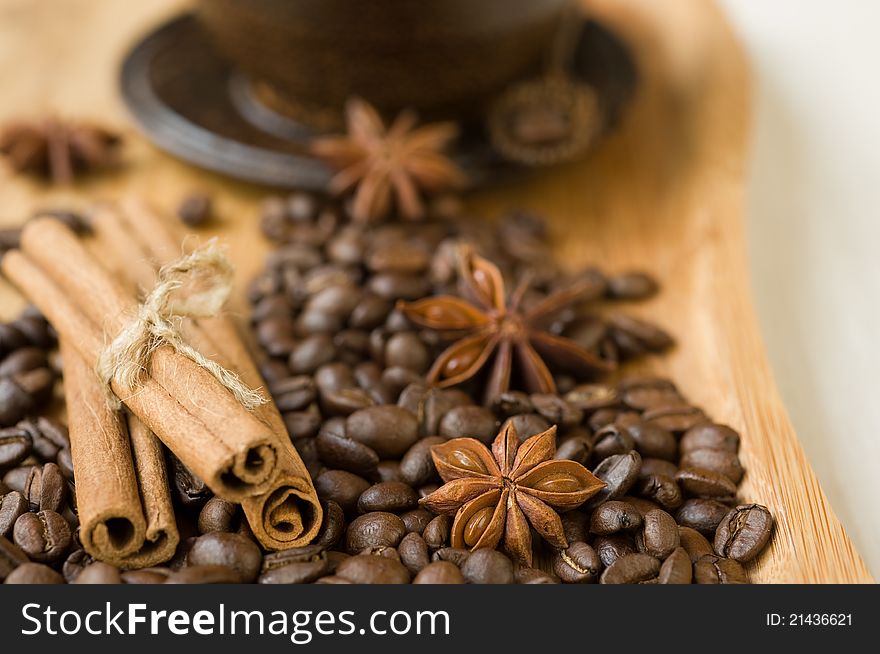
(664, 193)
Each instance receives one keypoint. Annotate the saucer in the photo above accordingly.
(193, 105)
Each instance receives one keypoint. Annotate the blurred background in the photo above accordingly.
(814, 235)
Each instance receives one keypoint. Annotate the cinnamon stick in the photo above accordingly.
(122, 496)
(184, 405)
(289, 514)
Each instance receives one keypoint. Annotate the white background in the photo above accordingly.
(814, 235)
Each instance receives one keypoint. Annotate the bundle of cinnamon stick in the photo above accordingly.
(243, 455)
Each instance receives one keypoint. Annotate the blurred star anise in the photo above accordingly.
(56, 149)
(497, 325)
(402, 161)
(496, 496)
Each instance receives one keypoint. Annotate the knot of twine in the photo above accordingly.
(195, 286)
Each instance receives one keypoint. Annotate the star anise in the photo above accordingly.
(402, 161)
(495, 326)
(497, 495)
(57, 150)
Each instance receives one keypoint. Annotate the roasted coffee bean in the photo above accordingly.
(575, 447)
(49, 437)
(416, 520)
(218, 515)
(677, 419)
(469, 421)
(485, 566)
(575, 526)
(337, 299)
(413, 553)
(233, 551)
(640, 504)
(15, 402)
(16, 478)
(659, 534)
(610, 440)
(294, 393)
(77, 561)
(395, 379)
(299, 565)
(189, 490)
(720, 461)
(614, 516)
(417, 466)
(302, 424)
(45, 536)
(705, 483)
(510, 403)
(23, 360)
(12, 506)
(651, 466)
(557, 410)
(275, 334)
(633, 336)
(11, 556)
(619, 472)
(147, 576)
(592, 397)
(333, 525)
(717, 570)
(694, 543)
(711, 436)
(98, 573)
(370, 312)
(439, 572)
(577, 564)
(744, 532)
(195, 209)
(631, 569)
(702, 515)
(527, 425)
(339, 451)
(661, 489)
(342, 487)
(651, 394)
(676, 569)
(45, 488)
(436, 532)
(311, 353)
(653, 441)
(205, 574)
(65, 463)
(531, 576)
(393, 286)
(333, 579)
(388, 470)
(389, 429)
(456, 555)
(15, 446)
(367, 569)
(390, 496)
(375, 529)
(407, 350)
(601, 418)
(34, 573)
(632, 286)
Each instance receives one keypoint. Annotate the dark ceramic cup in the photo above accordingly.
(443, 57)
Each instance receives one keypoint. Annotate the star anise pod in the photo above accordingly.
(497, 495)
(58, 150)
(495, 327)
(402, 162)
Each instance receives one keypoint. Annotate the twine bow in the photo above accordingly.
(195, 286)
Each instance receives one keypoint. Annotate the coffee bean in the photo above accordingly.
(710, 436)
(370, 312)
(527, 425)
(417, 466)
(388, 470)
(556, 410)
(16, 478)
(469, 421)
(611, 440)
(339, 451)
(456, 555)
(367, 569)
(531, 576)
(631, 569)
(389, 430)
(702, 515)
(375, 529)
(147, 576)
(294, 393)
(744, 532)
(15, 402)
(619, 472)
(651, 466)
(218, 515)
(393, 286)
(436, 533)
(333, 525)
(577, 447)
(614, 516)
(485, 566)
(653, 441)
(11, 556)
(650, 395)
(23, 360)
(632, 286)
(592, 397)
(705, 483)
(390, 496)
(15, 447)
(720, 461)
(34, 573)
(275, 334)
(416, 520)
(407, 350)
(233, 551)
(716, 570)
(677, 419)
(577, 564)
(98, 573)
(45, 488)
(694, 543)
(342, 487)
(575, 526)
(301, 565)
(439, 572)
(195, 209)
(676, 569)
(510, 403)
(640, 504)
(189, 490)
(205, 574)
(12, 506)
(661, 489)
(302, 424)
(659, 534)
(601, 418)
(413, 553)
(44, 536)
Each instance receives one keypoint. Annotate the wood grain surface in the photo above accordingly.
(665, 193)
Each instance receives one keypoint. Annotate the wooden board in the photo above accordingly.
(665, 193)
